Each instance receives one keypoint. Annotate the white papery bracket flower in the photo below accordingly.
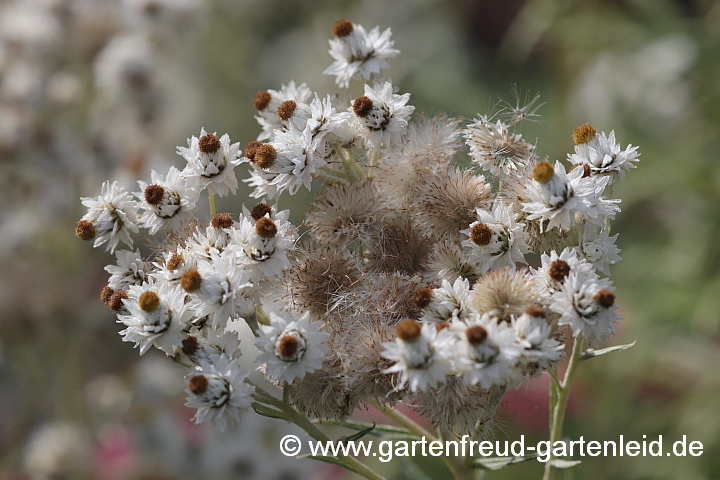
(382, 115)
(211, 162)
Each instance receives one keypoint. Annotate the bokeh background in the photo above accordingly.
(96, 89)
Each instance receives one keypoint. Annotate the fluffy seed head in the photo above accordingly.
(190, 345)
(175, 262)
(559, 269)
(106, 294)
(154, 194)
(362, 106)
(476, 335)
(149, 301)
(543, 172)
(265, 227)
(423, 296)
(261, 100)
(265, 155)
(198, 384)
(209, 143)
(342, 28)
(583, 134)
(481, 234)
(605, 298)
(116, 300)
(191, 280)
(221, 220)
(408, 330)
(287, 346)
(260, 210)
(250, 149)
(85, 230)
(535, 311)
(286, 109)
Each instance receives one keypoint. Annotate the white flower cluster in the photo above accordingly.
(412, 279)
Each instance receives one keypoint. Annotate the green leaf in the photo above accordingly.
(562, 463)
(358, 435)
(378, 431)
(590, 353)
(496, 463)
(333, 460)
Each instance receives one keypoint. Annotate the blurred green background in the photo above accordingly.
(648, 69)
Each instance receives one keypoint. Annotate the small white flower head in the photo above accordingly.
(218, 289)
(599, 248)
(110, 217)
(445, 304)
(487, 352)
(602, 153)
(554, 270)
(291, 348)
(156, 316)
(261, 246)
(215, 343)
(382, 115)
(211, 162)
(219, 393)
(534, 335)
(268, 102)
(358, 53)
(496, 149)
(168, 200)
(130, 270)
(555, 196)
(174, 265)
(587, 304)
(327, 123)
(213, 241)
(422, 361)
(496, 240)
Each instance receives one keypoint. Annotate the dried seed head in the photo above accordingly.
(423, 296)
(190, 345)
(221, 220)
(198, 385)
(265, 156)
(209, 143)
(154, 194)
(535, 311)
(191, 280)
(583, 134)
(408, 330)
(543, 172)
(175, 262)
(261, 100)
(116, 300)
(586, 169)
(342, 28)
(605, 298)
(286, 109)
(287, 346)
(149, 301)
(362, 106)
(559, 269)
(106, 294)
(441, 326)
(476, 335)
(85, 230)
(481, 234)
(260, 210)
(265, 227)
(250, 149)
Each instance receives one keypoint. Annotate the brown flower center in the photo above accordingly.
(260, 210)
(286, 109)
(176, 261)
(191, 280)
(209, 143)
(221, 220)
(481, 234)
(250, 149)
(106, 294)
(287, 346)
(441, 326)
(586, 169)
(265, 227)
(154, 194)
(605, 298)
(198, 385)
(535, 311)
(408, 330)
(261, 100)
(116, 301)
(342, 28)
(362, 106)
(423, 296)
(265, 156)
(559, 269)
(149, 301)
(583, 134)
(190, 345)
(476, 335)
(543, 172)
(85, 230)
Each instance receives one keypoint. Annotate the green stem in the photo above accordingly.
(211, 201)
(563, 393)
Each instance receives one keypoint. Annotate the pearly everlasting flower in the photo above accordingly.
(291, 348)
(218, 288)
(130, 270)
(211, 162)
(212, 241)
(447, 303)
(422, 360)
(587, 304)
(359, 53)
(168, 200)
(209, 344)
(382, 115)
(496, 240)
(555, 197)
(554, 270)
(599, 248)
(219, 393)
(156, 316)
(487, 352)
(602, 153)
(267, 102)
(174, 265)
(496, 149)
(261, 246)
(534, 335)
(110, 217)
